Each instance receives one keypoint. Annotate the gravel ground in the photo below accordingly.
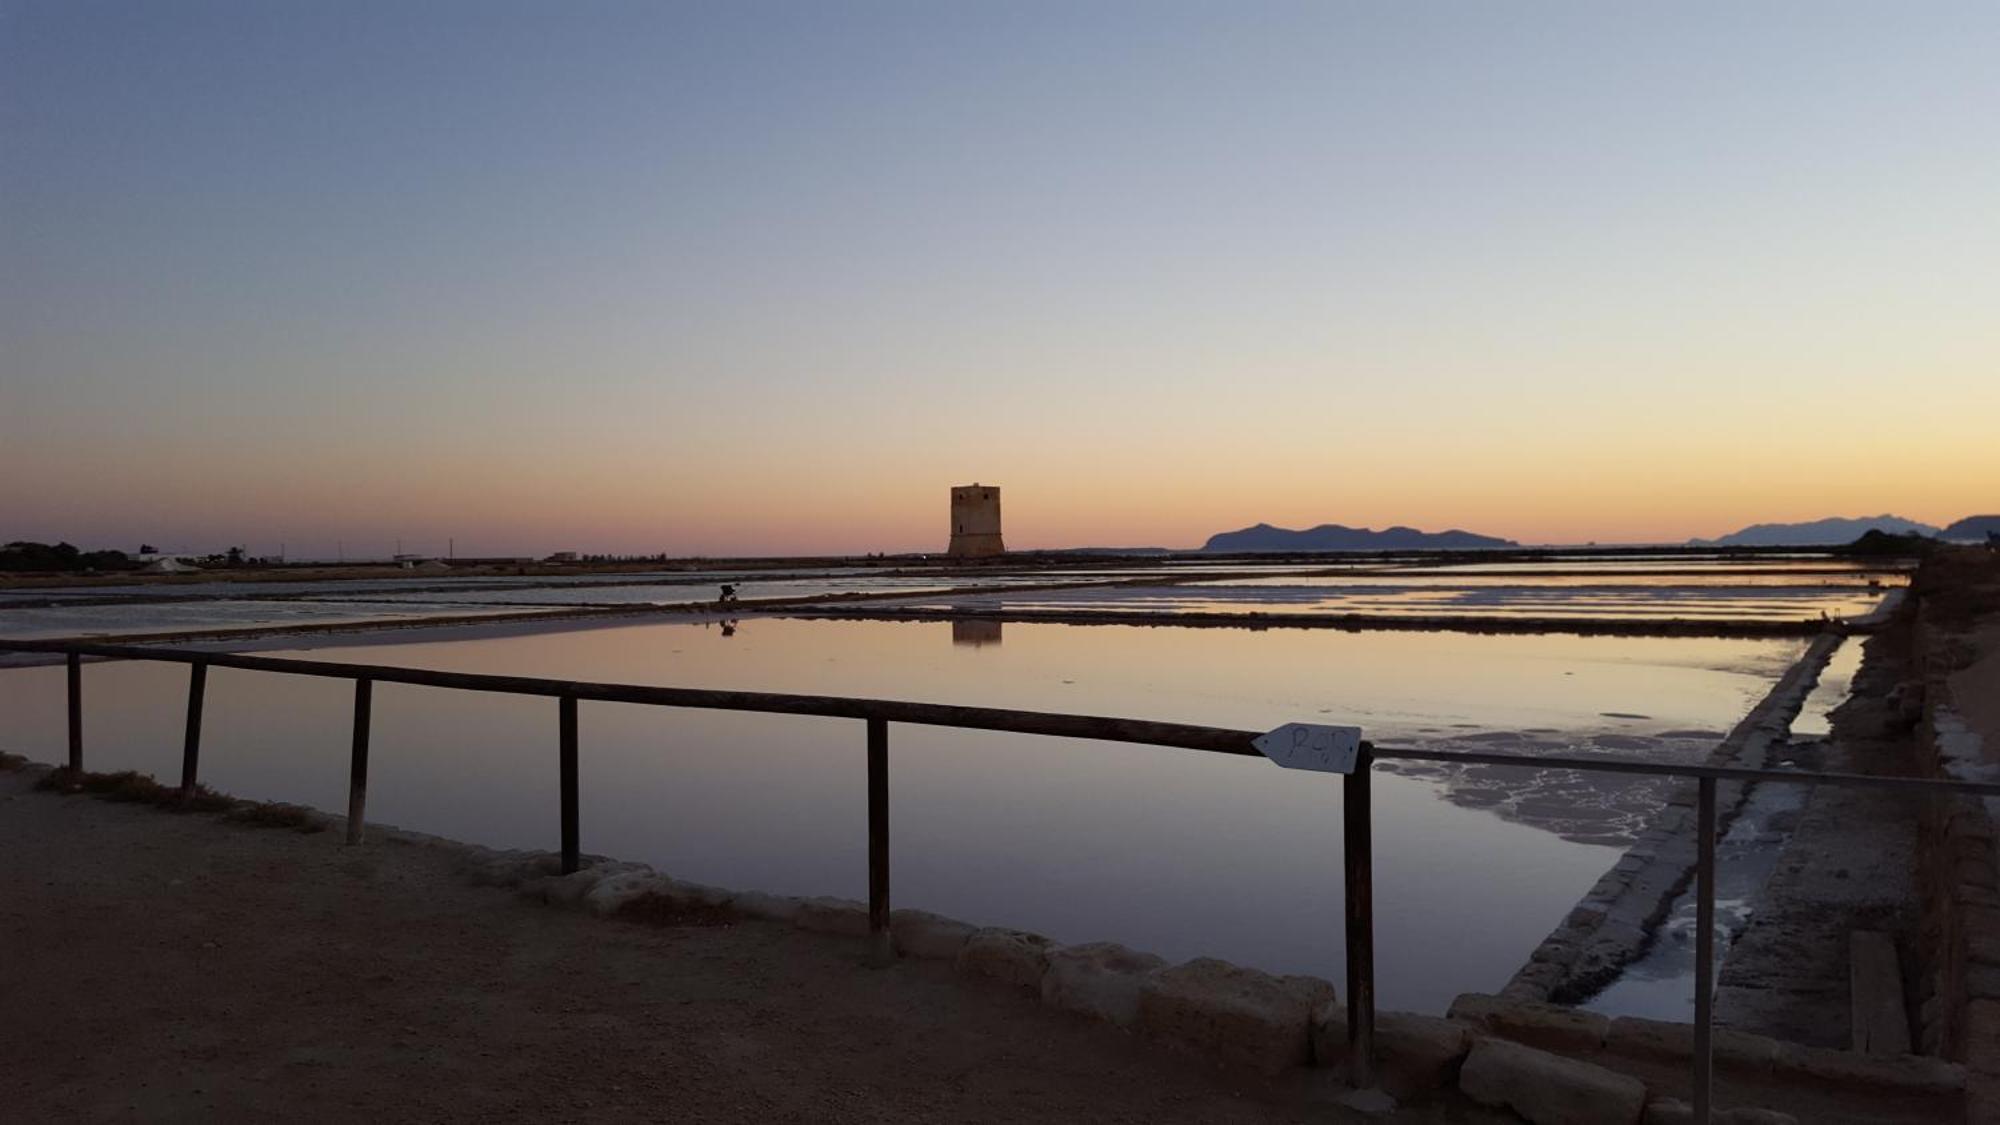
(157, 966)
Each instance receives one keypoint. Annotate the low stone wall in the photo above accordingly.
(1236, 1015)
(1617, 919)
(1546, 1063)
(1750, 1071)
(1958, 988)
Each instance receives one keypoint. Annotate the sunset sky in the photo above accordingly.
(745, 278)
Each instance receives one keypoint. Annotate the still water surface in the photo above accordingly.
(1178, 852)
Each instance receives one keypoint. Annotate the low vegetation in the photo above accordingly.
(136, 788)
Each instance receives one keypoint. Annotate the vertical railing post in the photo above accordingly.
(357, 767)
(567, 726)
(191, 738)
(1704, 949)
(75, 713)
(878, 837)
(1358, 849)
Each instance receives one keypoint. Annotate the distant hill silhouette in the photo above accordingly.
(1818, 533)
(1972, 529)
(1880, 544)
(1334, 537)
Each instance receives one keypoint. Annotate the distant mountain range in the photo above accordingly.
(1334, 537)
(1972, 529)
(1834, 531)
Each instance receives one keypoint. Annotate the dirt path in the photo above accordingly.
(1849, 865)
(157, 966)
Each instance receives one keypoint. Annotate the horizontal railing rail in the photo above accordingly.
(1357, 844)
(1184, 736)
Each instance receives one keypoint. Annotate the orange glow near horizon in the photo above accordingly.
(600, 501)
(718, 282)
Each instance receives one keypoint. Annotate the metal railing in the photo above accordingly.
(1357, 828)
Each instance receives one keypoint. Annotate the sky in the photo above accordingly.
(755, 278)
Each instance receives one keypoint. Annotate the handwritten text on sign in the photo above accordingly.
(1311, 746)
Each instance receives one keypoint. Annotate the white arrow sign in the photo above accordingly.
(1311, 746)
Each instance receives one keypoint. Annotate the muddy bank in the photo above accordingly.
(1581, 806)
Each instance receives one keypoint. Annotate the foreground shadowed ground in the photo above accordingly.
(173, 967)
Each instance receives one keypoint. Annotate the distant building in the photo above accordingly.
(975, 522)
(563, 556)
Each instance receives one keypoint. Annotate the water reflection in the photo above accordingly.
(1178, 852)
(975, 633)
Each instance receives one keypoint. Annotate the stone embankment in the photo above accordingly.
(1621, 914)
(1953, 699)
(1543, 1062)
(1752, 1072)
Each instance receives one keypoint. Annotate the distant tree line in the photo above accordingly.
(21, 555)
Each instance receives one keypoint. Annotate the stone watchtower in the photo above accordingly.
(975, 522)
